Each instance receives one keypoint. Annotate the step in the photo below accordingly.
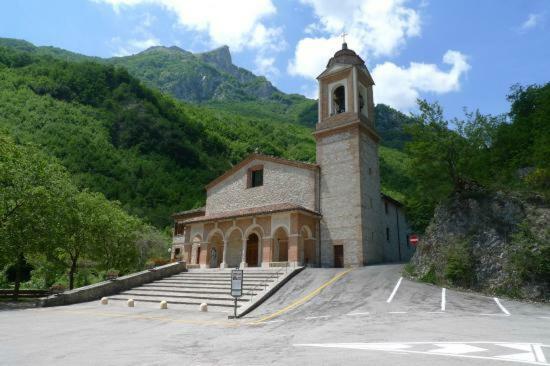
(207, 286)
(206, 282)
(196, 291)
(164, 296)
(219, 277)
(224, 276)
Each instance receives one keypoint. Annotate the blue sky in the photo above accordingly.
(463, 53)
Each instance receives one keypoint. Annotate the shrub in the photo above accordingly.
(429, 277)
(111, 274)
(459, 270)
(57, 288)
(160, 261)
(410, 269)
(529, 258)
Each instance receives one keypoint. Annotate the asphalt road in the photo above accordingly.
(360, 317)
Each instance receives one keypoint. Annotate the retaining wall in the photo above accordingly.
(111, 287)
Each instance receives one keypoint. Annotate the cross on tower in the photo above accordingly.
(344, 34)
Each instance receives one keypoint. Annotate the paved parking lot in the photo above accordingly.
(323, 316)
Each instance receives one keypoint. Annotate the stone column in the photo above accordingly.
(243, 255)
(224, 257)
(293, 242)
(267, 251)
(203, 260)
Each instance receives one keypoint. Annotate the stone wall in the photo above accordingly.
(340, 201)
(107, 288)
(372, 206)
(281, 184)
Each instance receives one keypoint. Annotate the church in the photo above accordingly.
(270, 212)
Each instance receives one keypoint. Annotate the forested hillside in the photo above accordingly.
(212, 80)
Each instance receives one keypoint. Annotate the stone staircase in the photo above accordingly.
(211, 286)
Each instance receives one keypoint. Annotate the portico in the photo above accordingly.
(275, 235)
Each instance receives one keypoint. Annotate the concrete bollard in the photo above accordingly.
(163, 305)
(104, 300)
(130, 303)
(204, 307)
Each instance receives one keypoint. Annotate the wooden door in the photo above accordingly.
(338, 256)
(252, 251)
(252, 254)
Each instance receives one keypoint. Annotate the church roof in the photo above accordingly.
(256, 156)
(252, 211)
(345, 56)
(190, 213)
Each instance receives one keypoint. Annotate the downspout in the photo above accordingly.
(398, 233)
(319, 222)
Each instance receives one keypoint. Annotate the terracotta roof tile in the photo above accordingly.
(280, 207)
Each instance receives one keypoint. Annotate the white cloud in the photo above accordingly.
(532, 21)
(375, 27)
(132, 46)
(312, 55)
(400, 87)
(236, 23)
(267, 39)
(266, 66)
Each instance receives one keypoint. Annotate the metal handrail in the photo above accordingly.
(265, 282)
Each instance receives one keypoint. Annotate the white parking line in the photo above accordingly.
(397, 312)
(539, 355)
(365, 313)
(275, 321)
(394, 290)
(317, 317)
(501, 307)
(443, 299)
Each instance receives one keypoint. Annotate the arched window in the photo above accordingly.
(339, 100)
(363, 103)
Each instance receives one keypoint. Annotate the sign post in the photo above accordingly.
(236, 286)
(413, 239)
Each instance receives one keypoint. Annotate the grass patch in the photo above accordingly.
(429, 277)
(409, 270)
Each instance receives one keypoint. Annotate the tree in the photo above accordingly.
(447, 160)
(31, 190)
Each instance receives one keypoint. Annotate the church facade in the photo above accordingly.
(268, 211)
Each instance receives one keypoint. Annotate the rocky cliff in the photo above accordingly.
(491, 242)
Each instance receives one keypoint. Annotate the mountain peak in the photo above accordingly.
(221, 57)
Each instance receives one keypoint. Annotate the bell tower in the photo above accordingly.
(347, 153)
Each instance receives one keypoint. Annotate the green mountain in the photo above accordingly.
(213, 81)
(135, 144)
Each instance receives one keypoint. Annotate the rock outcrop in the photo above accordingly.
(491, 242)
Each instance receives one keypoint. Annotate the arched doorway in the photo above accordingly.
(280, 240)
(196, 250)
(252, 250)
(215, 250)
(234, 248)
